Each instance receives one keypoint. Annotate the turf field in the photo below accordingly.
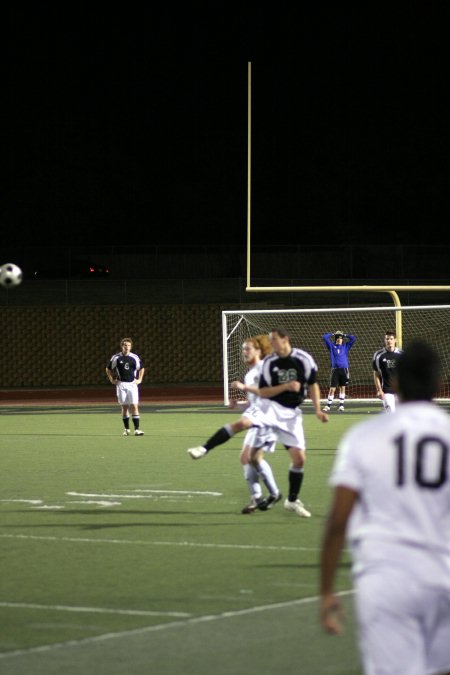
(123, 556)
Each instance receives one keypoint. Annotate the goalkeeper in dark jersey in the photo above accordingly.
(340, 374)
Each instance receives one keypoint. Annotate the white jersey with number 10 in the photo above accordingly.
(400, 466)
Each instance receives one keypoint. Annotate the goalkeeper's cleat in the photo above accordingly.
(327, 408)
(197, 453)
(341, 408)
(126, 432)
(297, 507)
(138, 432)
(269, 502)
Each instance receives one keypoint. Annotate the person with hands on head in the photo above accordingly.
(340, 373)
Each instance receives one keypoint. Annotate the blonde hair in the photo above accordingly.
(262, 343)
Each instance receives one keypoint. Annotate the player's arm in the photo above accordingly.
(110, 375)
(351, 339)
(377, 382)
(331, 612)
(327, 339)
(314, 395)
(140, 376)
(266, 392)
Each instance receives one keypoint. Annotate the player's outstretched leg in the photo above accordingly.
(198, 452)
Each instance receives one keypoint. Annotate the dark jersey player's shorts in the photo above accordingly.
(339, 377)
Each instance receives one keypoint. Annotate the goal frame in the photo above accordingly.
(240, 315)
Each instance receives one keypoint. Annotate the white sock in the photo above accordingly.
(265, 471)
(252, 478)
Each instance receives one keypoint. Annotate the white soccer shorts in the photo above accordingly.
(403, 627)
(286, 423)
(127, 393)
(261, 438)
(389, 402)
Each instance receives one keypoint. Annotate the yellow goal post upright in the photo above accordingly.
(392, 291)
(369, 324)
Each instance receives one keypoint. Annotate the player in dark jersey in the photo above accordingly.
(384, 363)
(287, 377)
(340, 374)
(126, 371)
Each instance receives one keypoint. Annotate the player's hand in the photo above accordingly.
(293, 385)
(331, 614)
(322, 416)
(238, 405)
(237, 385)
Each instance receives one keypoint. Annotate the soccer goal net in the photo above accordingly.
(306, 327)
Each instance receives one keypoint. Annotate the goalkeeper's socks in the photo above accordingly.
(136, 419)
(330, 401)
(221, 436)
(126, 422)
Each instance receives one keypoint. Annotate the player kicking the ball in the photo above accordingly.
(258, 442)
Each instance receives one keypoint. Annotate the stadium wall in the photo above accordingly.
(71, 345)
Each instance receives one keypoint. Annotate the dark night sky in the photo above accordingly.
(129, 125)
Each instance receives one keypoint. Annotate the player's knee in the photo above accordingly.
(298, 459)
(240, 425)
(245, 456)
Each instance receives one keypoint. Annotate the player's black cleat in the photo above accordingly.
(270, 501)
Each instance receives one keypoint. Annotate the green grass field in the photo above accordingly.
(123, 556)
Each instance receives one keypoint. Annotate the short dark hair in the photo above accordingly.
(418, 372)
(391, 332)
(281, 333)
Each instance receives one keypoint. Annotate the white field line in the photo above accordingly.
(142, 496)
(23, 501)
(164, 626)
(97, 610)
(140, 542)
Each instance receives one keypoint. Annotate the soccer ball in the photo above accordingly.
(10, 275)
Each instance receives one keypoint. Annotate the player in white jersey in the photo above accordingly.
(391, 481)
(257, 441)
(384, 362)
(126, 371)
